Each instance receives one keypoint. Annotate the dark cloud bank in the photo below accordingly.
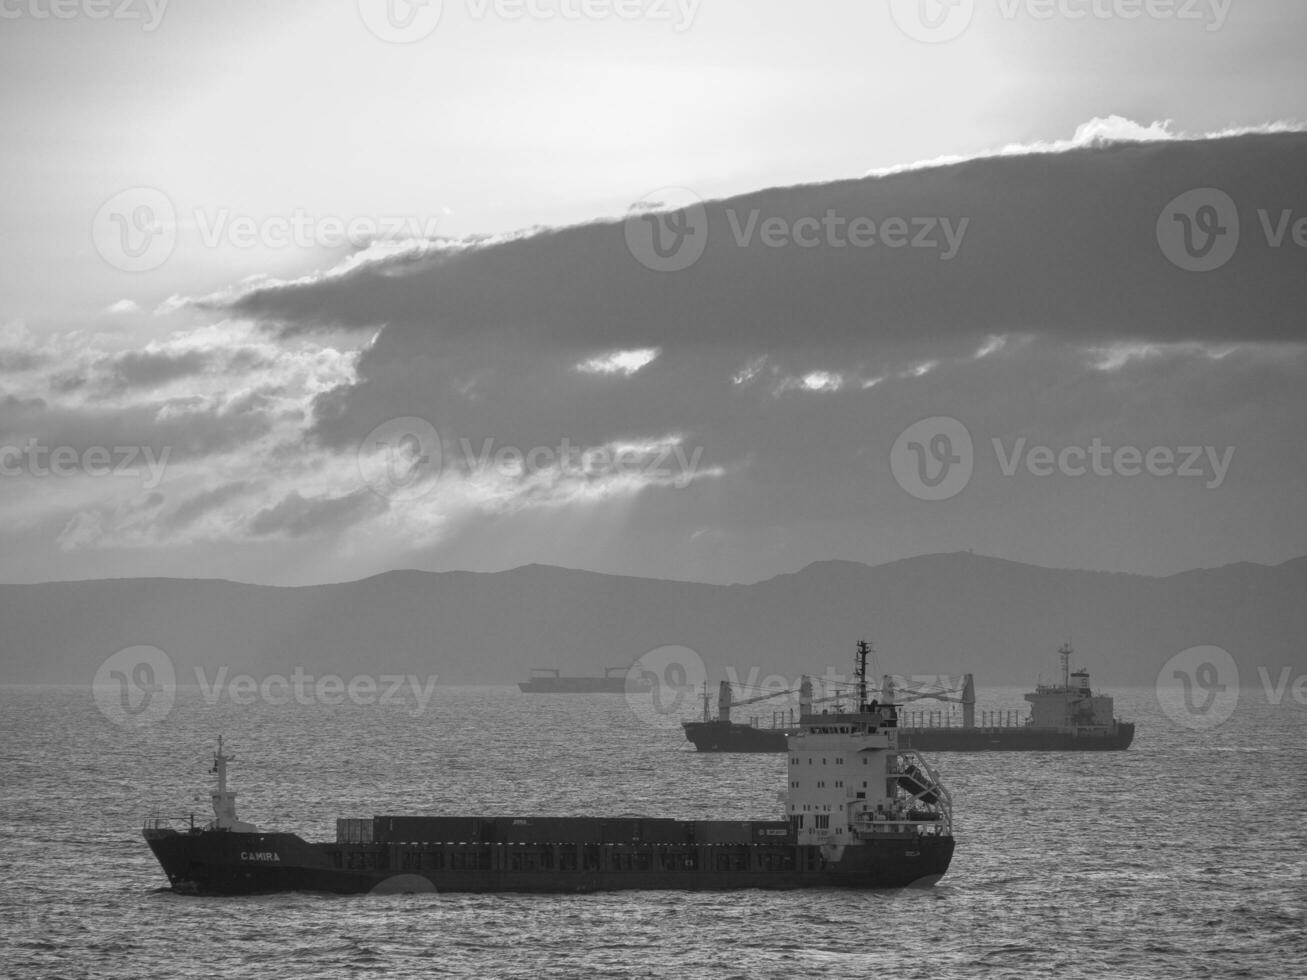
(1056, 243)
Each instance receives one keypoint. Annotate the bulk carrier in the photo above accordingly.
(550, 680)
(861, 812)
(1063, 717)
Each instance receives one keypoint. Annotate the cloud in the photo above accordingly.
(767, 355)
(919, 370)
(819, 381)
(782, 375)
(83, 530)
(122, 306)
(1045, 231)
(17, 361)
(625, 362)
(221, 397)
(151, 369)
(21, 351)
(823, 381)
(196, 506)
(1115, 357)
(296, 515)
(1098, 133)
(750, 370)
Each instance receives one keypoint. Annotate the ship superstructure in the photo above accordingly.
(860, 812)
(1071, 705)
(851, 783)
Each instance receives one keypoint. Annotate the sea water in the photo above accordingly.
(1182, 857)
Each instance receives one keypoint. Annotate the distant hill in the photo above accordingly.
(1001, 620)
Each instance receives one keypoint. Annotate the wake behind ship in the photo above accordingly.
(860, 813)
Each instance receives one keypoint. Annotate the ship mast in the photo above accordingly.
(224, 800)
(1065, 651)
(864, 651)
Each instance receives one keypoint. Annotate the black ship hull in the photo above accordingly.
(580, 685)
(717, 736)
(1015, 739)
(220, 862)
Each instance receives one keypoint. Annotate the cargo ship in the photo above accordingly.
(861, 812)
(550, 680)
(1066, 717)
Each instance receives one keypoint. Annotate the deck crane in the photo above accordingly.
(889, 695)
(967, 697)
(725, 702)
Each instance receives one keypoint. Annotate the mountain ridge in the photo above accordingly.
(835, 562)
(945, 613)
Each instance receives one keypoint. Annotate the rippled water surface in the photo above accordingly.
(1183, 857)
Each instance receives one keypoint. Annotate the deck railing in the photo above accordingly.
(157, 822)
(946, 719)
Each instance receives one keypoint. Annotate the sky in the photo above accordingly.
(304, 292)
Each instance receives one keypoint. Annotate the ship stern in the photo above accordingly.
(908, 861)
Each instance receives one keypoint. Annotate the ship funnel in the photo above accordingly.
(968, 701)
(887, 689)
(805, 696)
